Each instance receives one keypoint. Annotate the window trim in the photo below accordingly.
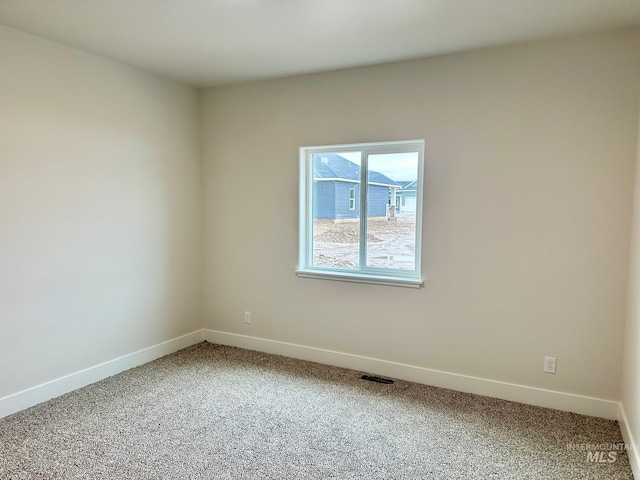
(364, 274)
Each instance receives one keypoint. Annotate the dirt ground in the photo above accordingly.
(389, 244)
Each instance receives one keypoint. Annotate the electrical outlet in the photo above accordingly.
(550, 364)
(247, 317)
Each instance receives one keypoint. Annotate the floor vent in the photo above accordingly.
(376, 379)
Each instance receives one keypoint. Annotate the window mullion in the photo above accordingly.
(364, 168)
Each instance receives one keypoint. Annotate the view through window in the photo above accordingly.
(360, 211)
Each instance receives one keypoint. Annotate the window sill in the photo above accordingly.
(361, 278)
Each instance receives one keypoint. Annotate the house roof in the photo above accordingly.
(333, 166)
(407, 184)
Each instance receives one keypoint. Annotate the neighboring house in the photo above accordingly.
(406, 197)
(336, 189)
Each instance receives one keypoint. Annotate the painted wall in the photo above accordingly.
(530, 154)
(631, 371)
(100, 210)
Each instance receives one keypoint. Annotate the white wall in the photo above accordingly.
(529, 178)
(631, 371)
(100, 210)
(530, 154)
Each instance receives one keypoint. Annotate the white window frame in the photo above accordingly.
(352, 198)
(364, 274)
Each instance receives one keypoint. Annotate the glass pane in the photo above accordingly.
(336, 209)
(391, 215)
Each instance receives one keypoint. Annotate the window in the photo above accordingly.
(352, 198)
(361, 212)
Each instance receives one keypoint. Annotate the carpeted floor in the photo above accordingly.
(214, 412)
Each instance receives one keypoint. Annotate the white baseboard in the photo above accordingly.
(54, 388)
(463, 383)
(596, 407)
(627, 436)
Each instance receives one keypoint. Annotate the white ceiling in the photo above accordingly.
(212, 42)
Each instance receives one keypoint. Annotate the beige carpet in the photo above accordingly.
(214, 412)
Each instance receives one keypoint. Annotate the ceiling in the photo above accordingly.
(213, 42)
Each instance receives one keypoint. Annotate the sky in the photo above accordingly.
(396, 166)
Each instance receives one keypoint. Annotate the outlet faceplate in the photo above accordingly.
(550, 364)
(247, 317)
